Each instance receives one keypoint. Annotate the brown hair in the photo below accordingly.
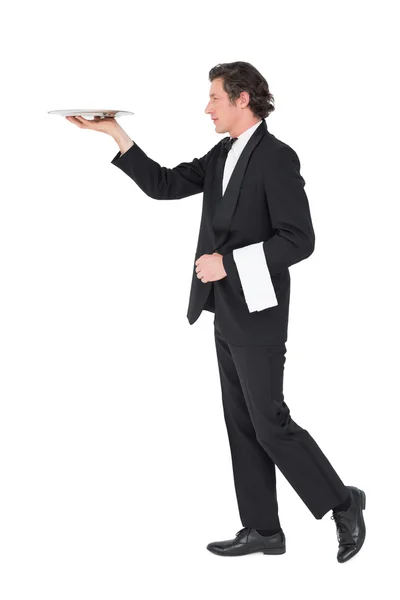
(243, 77)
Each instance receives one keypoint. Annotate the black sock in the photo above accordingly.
(344, 506)
(268, 531)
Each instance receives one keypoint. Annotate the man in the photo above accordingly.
(256, 214)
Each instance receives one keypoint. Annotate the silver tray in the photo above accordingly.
(93, 112)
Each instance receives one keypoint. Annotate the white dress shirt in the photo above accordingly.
(250, 260)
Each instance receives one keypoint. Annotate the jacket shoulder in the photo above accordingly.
(277, 148)
(279, 155)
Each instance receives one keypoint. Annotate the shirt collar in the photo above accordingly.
(244, 137)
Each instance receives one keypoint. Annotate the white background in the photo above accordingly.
(115, 470)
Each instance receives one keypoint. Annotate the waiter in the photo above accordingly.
(255, 224)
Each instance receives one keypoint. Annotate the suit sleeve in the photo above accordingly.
(293, 239)
(162, 183)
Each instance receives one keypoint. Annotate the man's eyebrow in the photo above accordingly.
(212, 95)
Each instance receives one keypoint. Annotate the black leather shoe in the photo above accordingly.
(350, 526)
(247, 541)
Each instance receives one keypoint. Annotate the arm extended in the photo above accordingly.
(162, 183)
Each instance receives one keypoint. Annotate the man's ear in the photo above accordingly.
(245, 97)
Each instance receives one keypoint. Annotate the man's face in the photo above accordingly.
(219, 108)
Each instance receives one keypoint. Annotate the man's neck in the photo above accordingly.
(241, 128)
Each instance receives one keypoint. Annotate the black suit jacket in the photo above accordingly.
(264, 201)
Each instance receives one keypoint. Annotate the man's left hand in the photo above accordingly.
(210, 267)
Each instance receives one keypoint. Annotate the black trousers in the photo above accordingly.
(262, 434)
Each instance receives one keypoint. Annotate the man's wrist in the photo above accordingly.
(123, 140)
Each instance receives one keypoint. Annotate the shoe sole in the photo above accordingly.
(266, 551)
(274, 551)
(363, 504)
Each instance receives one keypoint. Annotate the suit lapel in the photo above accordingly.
(226, 203)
